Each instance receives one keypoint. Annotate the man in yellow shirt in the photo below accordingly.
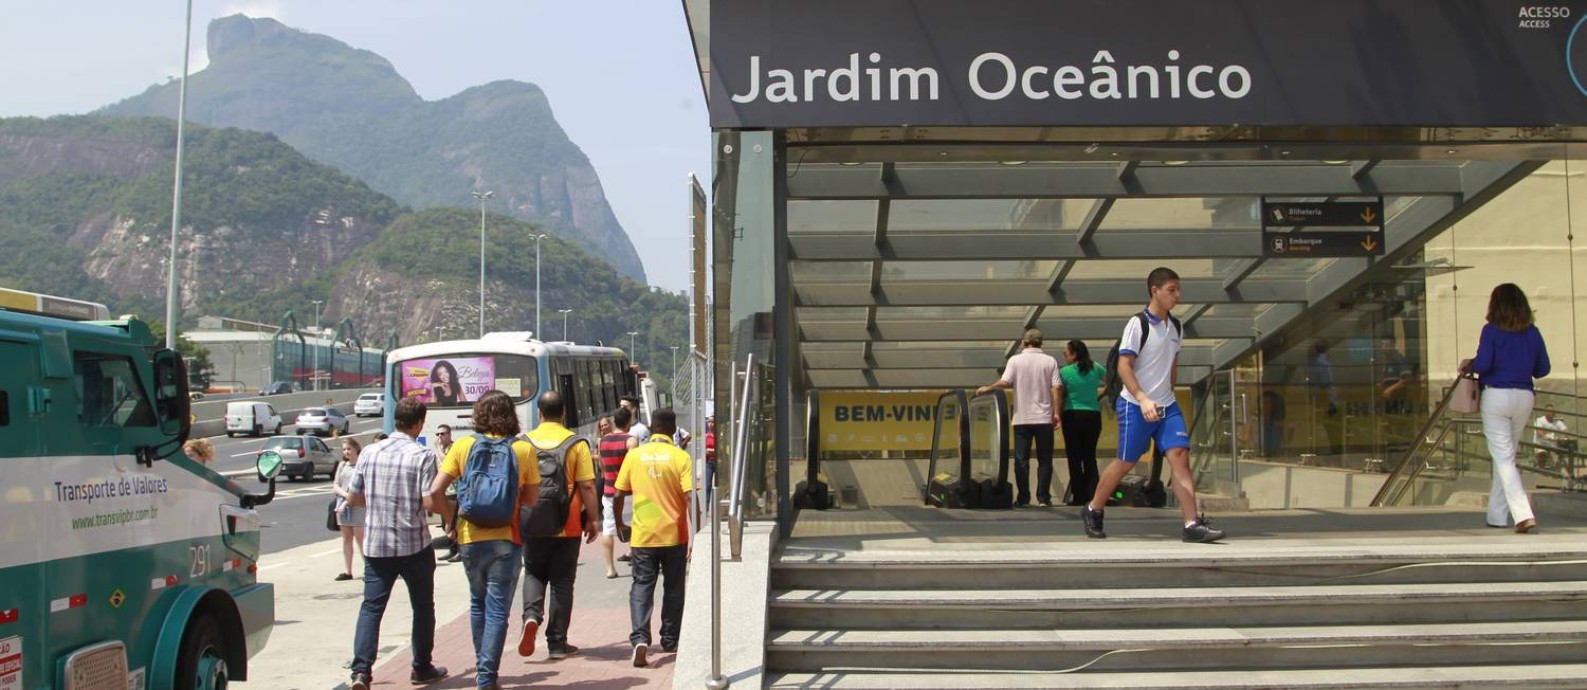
(660, 477)
(553, 559)
(490, 554)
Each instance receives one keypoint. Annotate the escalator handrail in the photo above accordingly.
(1001, 423)
(964, 434)
(812, 437)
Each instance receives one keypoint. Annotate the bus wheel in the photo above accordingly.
(201, 662)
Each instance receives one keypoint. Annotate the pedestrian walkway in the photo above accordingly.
(600, 631)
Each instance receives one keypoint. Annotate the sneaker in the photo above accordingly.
(562, 651)
(1046, 504)
(638, 657)
(343, 577)
(1093, 521)
(669, 647)
(526, 644)
(427, 676)
(360, 681)
(1201, 531)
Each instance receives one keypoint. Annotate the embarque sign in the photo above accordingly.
(1147, 62)
(1347, 228)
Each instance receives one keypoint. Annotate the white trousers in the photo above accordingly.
(1505, 413)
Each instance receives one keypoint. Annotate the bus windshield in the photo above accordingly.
(459, 380)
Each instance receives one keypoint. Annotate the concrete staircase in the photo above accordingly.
(1491, 609)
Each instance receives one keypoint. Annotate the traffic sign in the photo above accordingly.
(1322, 228)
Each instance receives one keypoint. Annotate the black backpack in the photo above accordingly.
(549, 515)
(1112, 384)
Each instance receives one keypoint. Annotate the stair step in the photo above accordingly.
(1176, 638)
(1400, 678)
(1079, 599)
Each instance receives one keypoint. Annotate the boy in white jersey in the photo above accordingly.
(1147, 411)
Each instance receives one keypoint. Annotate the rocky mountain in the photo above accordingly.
(85, 211)
(350, 108)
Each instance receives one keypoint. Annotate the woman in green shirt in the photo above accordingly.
(1080, 381)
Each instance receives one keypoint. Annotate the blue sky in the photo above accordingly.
(620, 75)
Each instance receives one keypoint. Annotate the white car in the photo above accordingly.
(371, 404)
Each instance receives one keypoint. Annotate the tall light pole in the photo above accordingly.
(633, 349)
(176, 193)
(537, 236)
(565, 313)
(482, 197)
(314, 382)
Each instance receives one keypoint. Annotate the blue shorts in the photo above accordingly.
(1136, 434)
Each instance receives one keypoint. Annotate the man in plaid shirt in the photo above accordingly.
(391, 480)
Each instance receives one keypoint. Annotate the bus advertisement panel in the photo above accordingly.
(448, 381)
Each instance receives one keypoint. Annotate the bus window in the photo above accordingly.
(108, 392)
(609, 383)
(586, 391)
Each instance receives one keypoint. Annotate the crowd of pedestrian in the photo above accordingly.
(513, 502)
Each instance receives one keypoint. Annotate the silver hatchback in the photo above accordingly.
(302, 458)
(322, 421)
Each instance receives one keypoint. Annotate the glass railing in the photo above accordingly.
(1451, 456)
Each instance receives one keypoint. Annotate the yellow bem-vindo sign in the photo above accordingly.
(877, 420)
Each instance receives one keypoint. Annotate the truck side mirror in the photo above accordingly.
(170, 395)
(268, 466)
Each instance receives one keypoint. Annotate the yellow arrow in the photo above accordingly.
(1368, 244)
(1368, 216)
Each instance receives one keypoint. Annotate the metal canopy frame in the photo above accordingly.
(904, 277)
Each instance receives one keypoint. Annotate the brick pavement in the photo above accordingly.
(600, 629)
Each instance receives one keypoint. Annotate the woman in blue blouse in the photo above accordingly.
(1510, 354)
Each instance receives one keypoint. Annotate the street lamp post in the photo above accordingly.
(314, 381)
(537, 237)
(633, 349)
(482, 197)
(171, 301)
(565, 313)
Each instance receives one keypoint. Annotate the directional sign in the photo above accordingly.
(1322, 228)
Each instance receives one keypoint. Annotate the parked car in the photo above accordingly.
(195, 396)
(322, 421)
(277, 388)
(372, 404)
(252, 418)
(302, 457)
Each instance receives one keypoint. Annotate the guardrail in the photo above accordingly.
(288, 406)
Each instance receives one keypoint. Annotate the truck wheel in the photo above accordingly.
(230, 435)
(201, 661)
(258, 430)
(278, 429)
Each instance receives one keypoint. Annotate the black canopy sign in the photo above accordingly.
(1147, 62)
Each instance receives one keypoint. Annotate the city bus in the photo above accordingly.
(123, 563)
(450, 375)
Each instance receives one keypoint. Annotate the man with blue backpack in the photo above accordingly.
(1140, 385)
(497, 476)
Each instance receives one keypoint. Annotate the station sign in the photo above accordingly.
(1322, 228)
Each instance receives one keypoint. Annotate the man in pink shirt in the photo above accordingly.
(1033, 374)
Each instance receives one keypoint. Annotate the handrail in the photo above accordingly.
(738, 455)
(962, 422)
(1405, 464)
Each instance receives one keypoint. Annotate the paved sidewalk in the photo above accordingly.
(600, 629)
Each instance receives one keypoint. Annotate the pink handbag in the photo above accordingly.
(1467, 397)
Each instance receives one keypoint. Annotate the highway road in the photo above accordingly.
(297, 515)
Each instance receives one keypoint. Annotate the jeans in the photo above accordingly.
(670, 562)
(1505, 413)
(552, 561)
(1081, 430)
(492, 568)
(380, 575)
(1043, 435)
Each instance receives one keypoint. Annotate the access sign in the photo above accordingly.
(1322, 228)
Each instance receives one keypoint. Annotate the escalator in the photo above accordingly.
(970, 453)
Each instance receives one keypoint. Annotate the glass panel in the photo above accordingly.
(1138, 268)
(829, 271)
(918, 313)
(981, 214)
(1239, 311)
(814, 217)
(1290, 268)
(967, 270)
(1181, 214)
